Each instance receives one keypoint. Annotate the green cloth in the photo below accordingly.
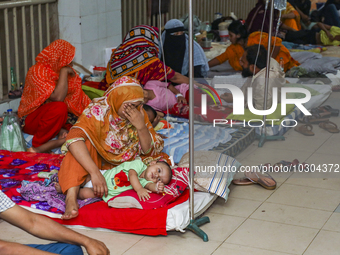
(117, 178)
(290, 95)
(92, 92)
(325, 39)
(248, 115)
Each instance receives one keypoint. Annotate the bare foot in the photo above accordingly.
(58, 188)
(71, 210)
(62, 133)
(32, 149)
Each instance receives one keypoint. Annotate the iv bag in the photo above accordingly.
(280, 4)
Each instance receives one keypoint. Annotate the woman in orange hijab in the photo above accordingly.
(113, 129)
(52, 90)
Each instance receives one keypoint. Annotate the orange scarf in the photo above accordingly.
(42, 78)
(115, 138)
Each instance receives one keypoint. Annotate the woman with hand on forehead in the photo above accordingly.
(113, 129)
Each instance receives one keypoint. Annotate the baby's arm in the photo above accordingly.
(143, 194)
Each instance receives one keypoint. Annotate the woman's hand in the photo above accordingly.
(143, 194)
(99, 184)
(134, 116)
(69, 70)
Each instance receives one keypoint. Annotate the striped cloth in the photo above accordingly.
(206, 137)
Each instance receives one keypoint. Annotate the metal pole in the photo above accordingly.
(191, 111)
(264, 130)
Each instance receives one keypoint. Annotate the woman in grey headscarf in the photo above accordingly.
(176, 50)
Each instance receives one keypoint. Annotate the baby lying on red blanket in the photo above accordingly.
(131, 175)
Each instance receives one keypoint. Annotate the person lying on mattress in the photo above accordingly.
(137, 57)
(111, 130)
(256, 74)
(176, 50)
(319, 34)
(52, 90)
(158, 95)
(131, 175)
(240, 39)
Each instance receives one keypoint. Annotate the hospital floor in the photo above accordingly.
(300, 216)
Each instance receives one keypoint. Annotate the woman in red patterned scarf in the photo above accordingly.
(137, 57)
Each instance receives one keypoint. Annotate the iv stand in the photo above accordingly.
(194, 223)
(263, 136)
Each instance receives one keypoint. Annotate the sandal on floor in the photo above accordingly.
(320, 112)
(334, 112)
(336, 88)
(265, 180)
(305, 129)
(313, 119)
(329, 126)
(14, 94)
(242, 181)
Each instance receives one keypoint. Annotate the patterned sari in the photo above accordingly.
(114, 138)
(42, 78)
(137, 57)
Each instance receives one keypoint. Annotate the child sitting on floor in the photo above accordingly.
(131, 175)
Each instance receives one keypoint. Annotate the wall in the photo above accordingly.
(91, 26)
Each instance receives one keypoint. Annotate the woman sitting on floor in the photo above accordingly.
(111, 130)
(240, 39)
(291, 18)
(52, 90)
(176, 50)
(137, 57)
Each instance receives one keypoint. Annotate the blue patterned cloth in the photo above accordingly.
(206, 137)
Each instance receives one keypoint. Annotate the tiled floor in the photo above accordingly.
(300, 217)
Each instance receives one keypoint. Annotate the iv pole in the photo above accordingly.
(194, 223)
(263, 137)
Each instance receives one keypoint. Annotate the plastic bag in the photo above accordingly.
(196, 23)
(11, 136)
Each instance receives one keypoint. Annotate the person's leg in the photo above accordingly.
(46, 122)
(331, 15)
(59, 248)
(72, 175)
(85, 193)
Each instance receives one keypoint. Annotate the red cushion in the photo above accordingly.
(129, 198)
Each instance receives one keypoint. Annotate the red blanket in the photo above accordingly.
(18, 166)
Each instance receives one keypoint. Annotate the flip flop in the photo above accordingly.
(266, 181)
(336, 88)
(320, 112)
(334, 112)
(305, 129)
(329, 126)
(313, 119)
(242, 181)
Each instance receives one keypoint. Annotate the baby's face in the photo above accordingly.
(157, 172)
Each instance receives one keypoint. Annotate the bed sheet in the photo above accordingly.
(206, 137)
